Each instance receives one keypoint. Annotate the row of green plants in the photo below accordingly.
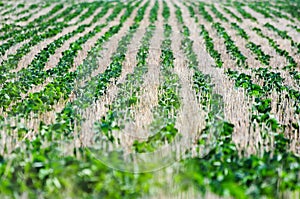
(165, 113)
(265, 58)
(12, 61)
(260, 55)
(41, 169)
(202, 85)
(232, 14)
(218, 13)
(270, 78)
(225, 171)
(128, 95)
(17, 36)
(209, 45)
(34, 73)
(241, 32)
(239, 7)
(283, 35)
(292, 64)
(97, 85)
(294, 27)
(64, 81)
(262, 11)
(255, 49)
(231, 48)
(40, 20)
(288, 7)
(274, 81)
(4, 7)
(265, 9)
(28, 10)
(46, 28)
(204, 13)
(20, 5)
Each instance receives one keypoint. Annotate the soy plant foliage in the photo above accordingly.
(283, 35)
(39, 167)
(231, 47)
(44, 33)
(224, 171)
(209, 44)
(38, 170)
(30, 28)
(261, 56)
(242, 11)
(86, 94)
(35, 75)
(201, 82)
(129, 91)
(163, 123)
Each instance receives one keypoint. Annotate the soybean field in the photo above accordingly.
(150, 99)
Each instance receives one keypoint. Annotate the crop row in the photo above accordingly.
(31, 32)
(287, 7)
(292, 64)
(264, 8)
(256, 49)
(283, 35)
(29, 9)
(93, 89)
(63, 84)
(225, 166)
(239, 8)
(97, 85)
(43, 56)
(294, 27)
(271, 79)
(165, 113)
(209, 44)
(232, 14)
(217, 13)
(261, 56)
(201, 84)
(19, 36)
(241, 32)
(40, 20)
(231, 48)
(32, 7)
(129, 91)
(34, 73)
